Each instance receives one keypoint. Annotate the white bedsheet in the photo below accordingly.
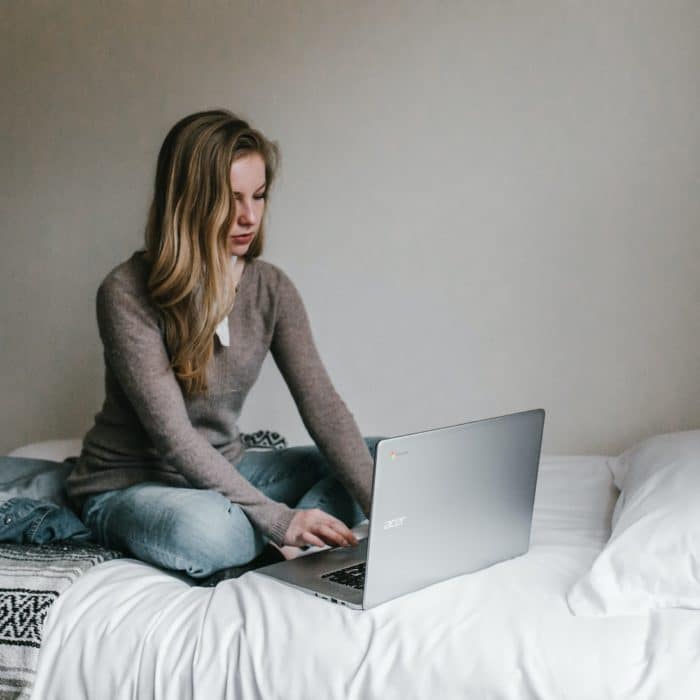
(128, 630)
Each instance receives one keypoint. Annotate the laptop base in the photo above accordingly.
(304, 573)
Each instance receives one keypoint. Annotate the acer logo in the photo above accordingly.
(396, 522)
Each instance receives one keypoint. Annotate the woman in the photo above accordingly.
(186, 324)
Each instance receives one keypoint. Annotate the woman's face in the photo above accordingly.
(248, 185)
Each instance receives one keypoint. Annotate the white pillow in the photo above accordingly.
(652, 559)
(57, 450)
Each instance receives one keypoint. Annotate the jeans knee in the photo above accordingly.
(217, 543)
(191, 530)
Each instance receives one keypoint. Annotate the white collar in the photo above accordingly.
(222, 329)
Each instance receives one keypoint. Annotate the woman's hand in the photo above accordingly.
(318, 528)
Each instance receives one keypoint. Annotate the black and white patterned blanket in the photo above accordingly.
(31, 578)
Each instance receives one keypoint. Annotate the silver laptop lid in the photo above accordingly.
(450, 501)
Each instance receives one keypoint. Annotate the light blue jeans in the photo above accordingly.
(199, 532)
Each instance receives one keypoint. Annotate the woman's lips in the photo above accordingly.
(243, 239)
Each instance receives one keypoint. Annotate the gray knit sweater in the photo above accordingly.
(146, 429)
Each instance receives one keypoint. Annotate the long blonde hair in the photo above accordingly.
(186, 236)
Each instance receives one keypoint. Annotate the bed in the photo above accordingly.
(126, 629)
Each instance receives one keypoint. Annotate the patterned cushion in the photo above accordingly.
(263, 440)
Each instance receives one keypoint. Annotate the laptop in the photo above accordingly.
(445, 502)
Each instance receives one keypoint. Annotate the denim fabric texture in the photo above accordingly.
(33, 504)
(34, 521)
(199, 532)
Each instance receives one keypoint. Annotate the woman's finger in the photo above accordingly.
(344, 531)
(331, 536)
(341, 528)
(309, 538)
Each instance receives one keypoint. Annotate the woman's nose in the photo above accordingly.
(245, 213)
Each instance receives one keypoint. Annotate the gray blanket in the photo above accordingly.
(31, 578)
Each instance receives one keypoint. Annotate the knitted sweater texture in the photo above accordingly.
(148, 431)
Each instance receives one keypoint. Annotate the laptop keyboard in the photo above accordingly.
(353, 576)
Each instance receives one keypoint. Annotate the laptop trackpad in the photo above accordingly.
(306, 571)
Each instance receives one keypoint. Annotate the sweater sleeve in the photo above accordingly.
(323, 412)
(137, 355)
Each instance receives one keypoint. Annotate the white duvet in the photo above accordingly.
(128, 630)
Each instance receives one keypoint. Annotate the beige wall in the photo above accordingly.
(488, 206)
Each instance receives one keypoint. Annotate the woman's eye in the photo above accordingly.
(238, 198)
